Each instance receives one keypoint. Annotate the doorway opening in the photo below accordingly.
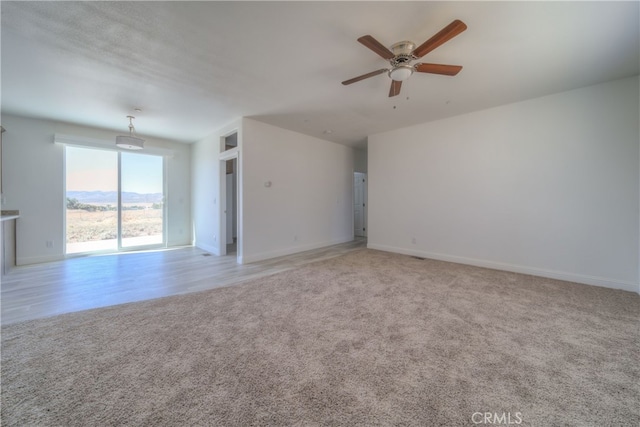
(231, 216)
(230, 196)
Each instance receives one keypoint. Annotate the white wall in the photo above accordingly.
(360, 161)
(548, 186)
(205, 178)
(309, 202)
(205, 184)
(33, 172)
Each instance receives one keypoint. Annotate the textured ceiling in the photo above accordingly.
(193, 67)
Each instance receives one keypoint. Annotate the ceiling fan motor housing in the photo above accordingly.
(403, 52)
(403, 56)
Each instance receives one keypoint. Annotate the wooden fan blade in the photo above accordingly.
(395, 88)
(376, 46)
(446, 34)
(447, 70)
(364, 76)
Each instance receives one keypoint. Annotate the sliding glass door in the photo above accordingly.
(91, 200)
(113, 200)
(142, 200)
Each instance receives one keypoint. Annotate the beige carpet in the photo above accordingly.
(369, 338)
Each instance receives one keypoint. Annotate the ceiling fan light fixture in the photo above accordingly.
(130, 142)
(401, 72)
(401, 54)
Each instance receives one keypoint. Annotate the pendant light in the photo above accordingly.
(130, 142)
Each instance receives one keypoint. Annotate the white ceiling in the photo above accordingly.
(193, 67)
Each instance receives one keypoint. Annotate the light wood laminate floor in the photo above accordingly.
(36, 291)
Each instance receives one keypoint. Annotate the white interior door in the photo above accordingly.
(359, 203)
(229, 207)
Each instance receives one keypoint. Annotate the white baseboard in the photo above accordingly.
(291, 250)
(179, 242)
(551, 274)
(39, 259)
(208, 248)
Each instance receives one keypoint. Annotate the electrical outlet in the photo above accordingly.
(295, 238)
(49, 243)
(413, 240)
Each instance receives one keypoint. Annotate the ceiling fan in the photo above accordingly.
(402, 53)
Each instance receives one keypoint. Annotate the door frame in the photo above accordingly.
(231, 154)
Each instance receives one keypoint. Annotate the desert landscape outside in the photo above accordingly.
(94, 227)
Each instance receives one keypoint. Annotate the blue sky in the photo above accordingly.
(94, 169)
